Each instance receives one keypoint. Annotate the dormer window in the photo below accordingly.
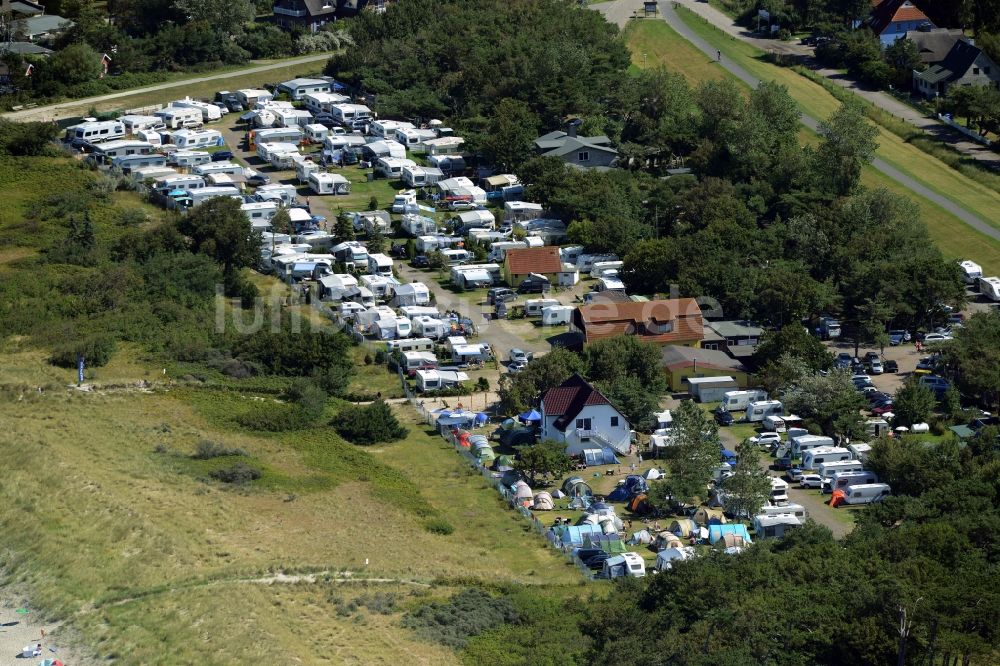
(659, 327)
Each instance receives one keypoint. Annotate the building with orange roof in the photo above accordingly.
(892, 19)
(676, 321)
(522, 262)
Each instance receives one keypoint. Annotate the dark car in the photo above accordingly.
(891, 367)
(420, 261)
(783, 463)
(723, 417)
(858, 367)
(534, 285)
(898, 337)
(222, 156)
(593, 558)
(843, 360)
(258, 179)
(882, 408)
(928, 363)
(936, 384)
(499, 295)
(875, 397)
(871, 356)
(398, 251)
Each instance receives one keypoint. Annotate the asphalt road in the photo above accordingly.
(621, 10)
(57, 111)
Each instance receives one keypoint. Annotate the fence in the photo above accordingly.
(143, 110)
(965, 130)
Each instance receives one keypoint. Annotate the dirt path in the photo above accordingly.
(63, 109)
(18, 631)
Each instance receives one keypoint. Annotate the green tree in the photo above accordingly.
(783, 372)
(344, 229)
(793, 340)
(377, 241)
(848, 145)
(973, 357)
(77, 63)
(517, 392)
(227, 16)
(913, 403)
(220, 229)
(542, 459)
(832, 402)
(510, 133)
(281, 223)
(368, 424)
(695, 453)
(749, 488)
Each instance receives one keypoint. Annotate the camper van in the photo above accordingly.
(971, 271)
(624, 565)
(841, 480)
(454, 257)
(860, 451)
(430, 327)
(418, 360)
(779, 491)
(554, 315)
(209, 112)
(96, 131)
(866, 493)
(737, 401)
(758, 410)
(410, 345)
(177, 117)
(796, 510)
(803, 443)
(815, 457)
(830, 469)
(379, 264)
(533, 306)
(990, 288)
(601, 269)
(404, 199)
(322, 182)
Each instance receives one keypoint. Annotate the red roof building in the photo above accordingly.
(581, 416)
(521, 262)
(892, 19)
(675, 321)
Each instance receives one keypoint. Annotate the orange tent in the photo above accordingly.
(837, 498)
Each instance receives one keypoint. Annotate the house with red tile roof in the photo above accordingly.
(676, 321)
(521, 262)
(892, 19)
(580, 416)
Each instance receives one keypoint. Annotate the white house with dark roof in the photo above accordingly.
(580, 416)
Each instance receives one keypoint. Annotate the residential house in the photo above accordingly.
(307, 15)
(737, 338)
(934, 45)
(965, 65)
(582, 151)
(683, 362)
(521, 262)
(578, 415)
(40, 27)
(19, 8)
(892, 19)
(675, 321)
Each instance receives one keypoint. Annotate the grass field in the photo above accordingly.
(654, 44)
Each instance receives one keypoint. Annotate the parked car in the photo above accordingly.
(499, 295)
(518, 355)
(936, 384)
(956, 319)
(898, 337)
(927, 364)
(810, 481)
(517, 366)
(875, 397)
(794, 474)
(882, 408)
(784, 463)
(843, 360)
(875, 367)
(463, 205)
(724, 417)
(936, 337)
(533, 285)
(222, 155)
(420, 261)
(890, 366)
(765, 439)
(258, 179)
(596, 560)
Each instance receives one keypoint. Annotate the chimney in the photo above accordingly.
(571, 127)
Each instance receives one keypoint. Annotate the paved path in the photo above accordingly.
(56, 111)
(882, 100)
(619, 13)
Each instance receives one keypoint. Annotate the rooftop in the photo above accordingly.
(569, 398)
(660, 321)
(675, 357)
(895, 11)
(542, 260)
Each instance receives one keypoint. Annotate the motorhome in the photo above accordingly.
(533, 306)
(860, 451)
(971, 271)
(209, 112)
(418, 225)
(392, 167)
(168, 184)
(322, 182)
(346, 114)
(279, 191)
(129, 162)
(430, 327)
(403, 199)
(990, 288)
(260, 211)
(629, 565)
(177, 117)
(418, 176)
(779, 491)
(277, 135)
(316, 133)
(352, 253)
(381, 286)
(96, 131)
(866, 493)
(189, 158)
(829, 328)
(418, 360)
(803, 443)
(758, 410)
(386, 129)
(277, 153)
(413, 136)
(820, 455)
(136, 123)
(473, 219)
(828, 469)
(844, 479)
(411, 345)
(191, 138)
(379, 264)
(498, 251)
(454, 257)
(601, 269)
(303, 168)
(555, 315)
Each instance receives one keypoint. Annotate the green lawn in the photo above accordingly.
(662, 47)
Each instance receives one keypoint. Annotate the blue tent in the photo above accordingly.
(481, 418)
(531, 415)
(619, 494)
(716, 532)
(729, 456)
(573, 534)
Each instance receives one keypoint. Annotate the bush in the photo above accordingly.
(370, 424)
(239, 474)
(276, 417)
(467, 614)
(439, 526)
(207, 449)
(96, 351)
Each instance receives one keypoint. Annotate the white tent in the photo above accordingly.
(642, 537)
(543, 502)
(522, 491)
(665, 558)
(652, 474)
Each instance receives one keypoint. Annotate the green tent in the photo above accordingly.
(609, 543)
(486, 455)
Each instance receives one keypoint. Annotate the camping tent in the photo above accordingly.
(522, 491)
(639, 504)
(666, 540)
(652, 474)
(558, 494)
(573, 534)
(717, 532)
(601, 508)
(609, 525)
(478, 441)
(574, 486)
(682, 527)
(731, 542)
(629, 486)
(705, 516)
(530, 416)
(503, 463)
(620, 493)
(604, 456)
(642, 537)
(485, 455)
(665, 558)
(542, 502)
(609, 543)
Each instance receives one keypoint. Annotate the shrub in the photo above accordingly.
(467, 614)
(380, 356)
(275, 417)
(96, 351)
(383, 603)
(239, 474)
(207, 449)
(439, 526)
(370, 424)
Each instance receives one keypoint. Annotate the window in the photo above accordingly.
(614, 421)
(769, 532)
(975, 71)
(583, 424)
(583, 156)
